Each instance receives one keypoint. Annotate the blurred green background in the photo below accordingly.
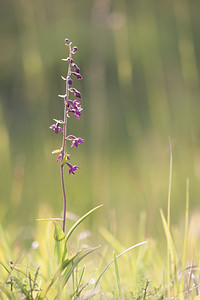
(140, 62)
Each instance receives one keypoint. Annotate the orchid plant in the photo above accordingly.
(71, 101)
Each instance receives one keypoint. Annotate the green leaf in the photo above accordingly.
(59, 237)
(72, 263)
(125, 251)
(76, 225)
(65, 270)
(6, 267)
(5, 243)
(64, 159)
(81, 277)
(169, 238)
(80, 221)
(117, 276)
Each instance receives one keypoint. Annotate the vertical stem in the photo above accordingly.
(168, 218)
(64, 141)
(64, 198)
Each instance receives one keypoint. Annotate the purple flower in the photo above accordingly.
(75, 48)
(72, 169)
(76, 69)
(72, 106)
(75, 104)
(77, 75)
(78, 113)
(56, 127)
(69, 80)
(76, 109)
(67, 41)
(75, 141)
(76, 93)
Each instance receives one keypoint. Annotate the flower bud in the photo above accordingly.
(77, 75)
(76, 69)
(78, 94)
(67, 41)
(69, 80)
(74, 49)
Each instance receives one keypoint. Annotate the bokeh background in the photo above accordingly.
(141, 63)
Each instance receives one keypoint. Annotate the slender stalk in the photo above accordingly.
(64, 199)
(168, 219)
(64, 142)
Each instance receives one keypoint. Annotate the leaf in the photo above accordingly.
(7, 292)
(125, 251)
(6, 267)
(59, 237)
(80, 278)
(49, 284)
(64, 159)
(76, 225)
(72, 263)
(117, 276)
(5, 243)
(65, 270)
(80, 221)
(169, 239)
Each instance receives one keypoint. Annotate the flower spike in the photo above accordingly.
(71, 106)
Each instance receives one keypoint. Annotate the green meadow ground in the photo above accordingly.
(140, 63)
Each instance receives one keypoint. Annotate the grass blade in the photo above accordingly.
(74, 262)
(125, 251)
(65, 269)
(169, 217)
(169, 239)
(117, 276)
(80, 221)
(6, 267)
(76, 225)
(186, 224)
(5, 243)
(59, 237)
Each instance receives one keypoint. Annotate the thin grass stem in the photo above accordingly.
(168, 219)
(186, 224)
(64, 198)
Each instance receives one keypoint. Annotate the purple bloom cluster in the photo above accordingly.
(71, 106)
(56, 127)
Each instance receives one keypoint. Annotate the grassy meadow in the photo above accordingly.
(140, 63)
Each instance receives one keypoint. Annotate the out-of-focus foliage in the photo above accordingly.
(140, 61)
